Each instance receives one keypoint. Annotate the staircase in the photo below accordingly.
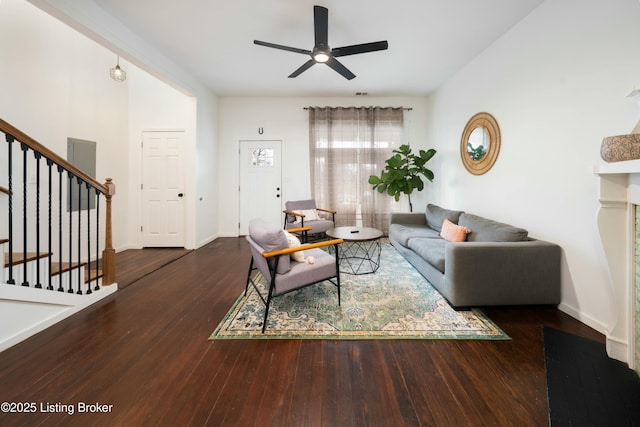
(55, 238)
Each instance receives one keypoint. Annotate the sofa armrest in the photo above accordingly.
(499, 273)
(414, 218)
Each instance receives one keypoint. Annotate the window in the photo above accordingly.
(347, 145)
(261, 157)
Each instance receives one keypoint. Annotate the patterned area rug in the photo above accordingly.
(396, 302)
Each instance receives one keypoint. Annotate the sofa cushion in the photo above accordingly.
(486, 230)
(270, 238)
(402, 233)
(453, 232)
(431, 250)
(324, 266)
(436, 215)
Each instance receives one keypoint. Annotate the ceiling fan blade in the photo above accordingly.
(281, 47)
(321, 25)
(302, 68)
(359, 48)
(344, 71)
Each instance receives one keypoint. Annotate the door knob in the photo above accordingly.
(180, 194)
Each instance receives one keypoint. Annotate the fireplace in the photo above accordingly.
(636, 323)
(619, 228)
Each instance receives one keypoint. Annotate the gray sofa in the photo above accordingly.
(498, 264)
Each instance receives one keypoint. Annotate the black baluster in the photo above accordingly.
(97, 288)
(49, 234)
(60, 180)
(38, 156)
(80, 269)
(10, 140)
(89, 291)
(69, 199)
(24, 148)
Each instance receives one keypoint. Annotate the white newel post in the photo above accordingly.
(619, 191)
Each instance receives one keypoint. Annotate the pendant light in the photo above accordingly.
(117, 73)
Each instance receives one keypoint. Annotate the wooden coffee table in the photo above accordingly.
(360, 250)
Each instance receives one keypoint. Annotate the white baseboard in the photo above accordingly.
(228, 235)
(207, 241)
(616, 348)
(587, 320)
(126, 247)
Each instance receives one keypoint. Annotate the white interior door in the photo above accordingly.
(162, 189)
(260, 182)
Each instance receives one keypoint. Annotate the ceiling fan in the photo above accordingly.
(321, 52)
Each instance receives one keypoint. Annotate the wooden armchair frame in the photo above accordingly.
(272, 258)
(305, 234)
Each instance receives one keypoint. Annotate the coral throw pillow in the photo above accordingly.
(453, 232)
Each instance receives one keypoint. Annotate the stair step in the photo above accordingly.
(18, 257)
(90, 273)
(66, 266)
(94, 274)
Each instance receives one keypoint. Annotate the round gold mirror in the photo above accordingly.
(480, 143)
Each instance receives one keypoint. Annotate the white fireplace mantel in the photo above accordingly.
(619, 191)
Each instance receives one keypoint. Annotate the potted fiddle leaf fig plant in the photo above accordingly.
(403, 173)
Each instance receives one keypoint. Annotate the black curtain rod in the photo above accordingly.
(406, 109)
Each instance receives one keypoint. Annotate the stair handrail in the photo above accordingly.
(108, 189)
(22, 137)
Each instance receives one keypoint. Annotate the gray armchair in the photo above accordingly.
(271, 255)
(301, 213)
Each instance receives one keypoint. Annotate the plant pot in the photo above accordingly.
(620, 147)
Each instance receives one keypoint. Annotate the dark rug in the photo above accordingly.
(586, 387)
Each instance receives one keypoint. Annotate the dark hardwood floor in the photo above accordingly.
(132, 265)
(145, 352)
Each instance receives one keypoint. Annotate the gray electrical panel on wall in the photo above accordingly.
(81, 154)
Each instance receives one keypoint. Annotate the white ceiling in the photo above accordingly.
(429, 40)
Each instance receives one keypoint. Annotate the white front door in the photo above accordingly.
(162, 189)
(260, 183)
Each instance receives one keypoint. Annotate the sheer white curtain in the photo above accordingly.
(347, 145)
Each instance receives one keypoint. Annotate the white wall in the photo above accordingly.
(209, 205)
(84, 23)
(55, 84)
(172, 110)
(556, 83)
(285, 119)
(154, 105)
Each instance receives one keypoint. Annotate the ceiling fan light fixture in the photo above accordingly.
(320, 55)
(321, 52)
